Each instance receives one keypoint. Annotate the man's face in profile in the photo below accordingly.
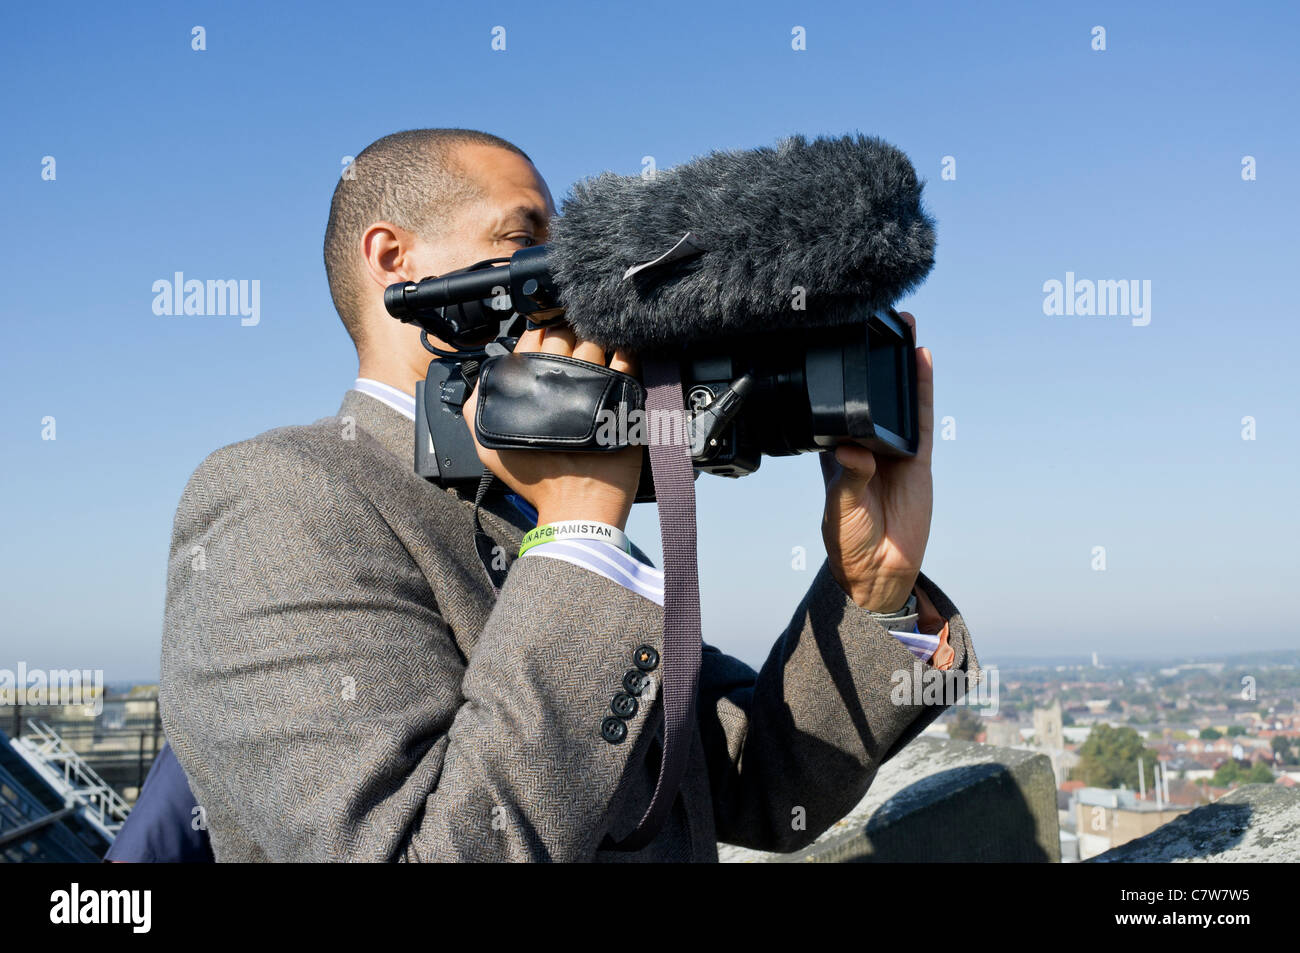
(509, 208)
(512, 211)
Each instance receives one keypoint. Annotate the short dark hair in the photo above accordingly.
(408, 178)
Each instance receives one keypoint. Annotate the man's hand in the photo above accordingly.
(591, 485)
(877, 517)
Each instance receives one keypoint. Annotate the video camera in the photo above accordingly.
(773, 393)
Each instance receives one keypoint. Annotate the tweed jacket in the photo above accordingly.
(340, 683)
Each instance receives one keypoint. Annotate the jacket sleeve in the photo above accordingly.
(319, 703)
(793, 747)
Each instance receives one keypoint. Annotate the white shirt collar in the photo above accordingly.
(400, 401)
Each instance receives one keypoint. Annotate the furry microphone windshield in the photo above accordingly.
(801, 235)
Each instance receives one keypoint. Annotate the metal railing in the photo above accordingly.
(120, 747)
(68, 773)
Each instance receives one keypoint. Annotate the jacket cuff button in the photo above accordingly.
(613, 730)
(624, 705)
(646, 658)
(635, 681)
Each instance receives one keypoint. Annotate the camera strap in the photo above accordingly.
(674, 480)
(489, 551)
(674, 484)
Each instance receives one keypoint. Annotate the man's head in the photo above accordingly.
(422, 203)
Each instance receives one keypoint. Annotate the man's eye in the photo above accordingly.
(527, 240)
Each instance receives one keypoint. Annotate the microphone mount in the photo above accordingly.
(466, 306)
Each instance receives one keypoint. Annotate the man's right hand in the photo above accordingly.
(563, 486)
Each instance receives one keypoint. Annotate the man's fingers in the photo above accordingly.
(591, 352)
(529, 341)
(626, 362)
(925, 400)
(926, 389)
(558, 339)
(924, 392)
(561, 339)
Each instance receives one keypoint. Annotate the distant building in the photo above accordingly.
(1048, 730)
(120, 741)
(1069, 847)
(1006, 733)
(1050, 736)
(1189, 769)
(1076, 734)
(1107, 818)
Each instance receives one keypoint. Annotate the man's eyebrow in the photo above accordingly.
(527, 213)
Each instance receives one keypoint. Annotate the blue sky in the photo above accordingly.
(1071, 431)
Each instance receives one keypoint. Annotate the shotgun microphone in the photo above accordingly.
(805, 234)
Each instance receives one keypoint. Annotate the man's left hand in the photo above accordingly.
(877, 518)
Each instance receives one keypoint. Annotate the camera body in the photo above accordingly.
(811, 391)
(746, 396)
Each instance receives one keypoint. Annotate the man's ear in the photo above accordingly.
(388, 250)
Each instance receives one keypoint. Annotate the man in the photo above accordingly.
(340, 683)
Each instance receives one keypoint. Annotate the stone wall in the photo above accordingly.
(1256, 822)
(943, 800)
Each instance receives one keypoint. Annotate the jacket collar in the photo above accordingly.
(393, 430)
(396, 433)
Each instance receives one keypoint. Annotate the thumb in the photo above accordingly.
(858, 467)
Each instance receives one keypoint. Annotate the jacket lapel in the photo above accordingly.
(396, 433)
